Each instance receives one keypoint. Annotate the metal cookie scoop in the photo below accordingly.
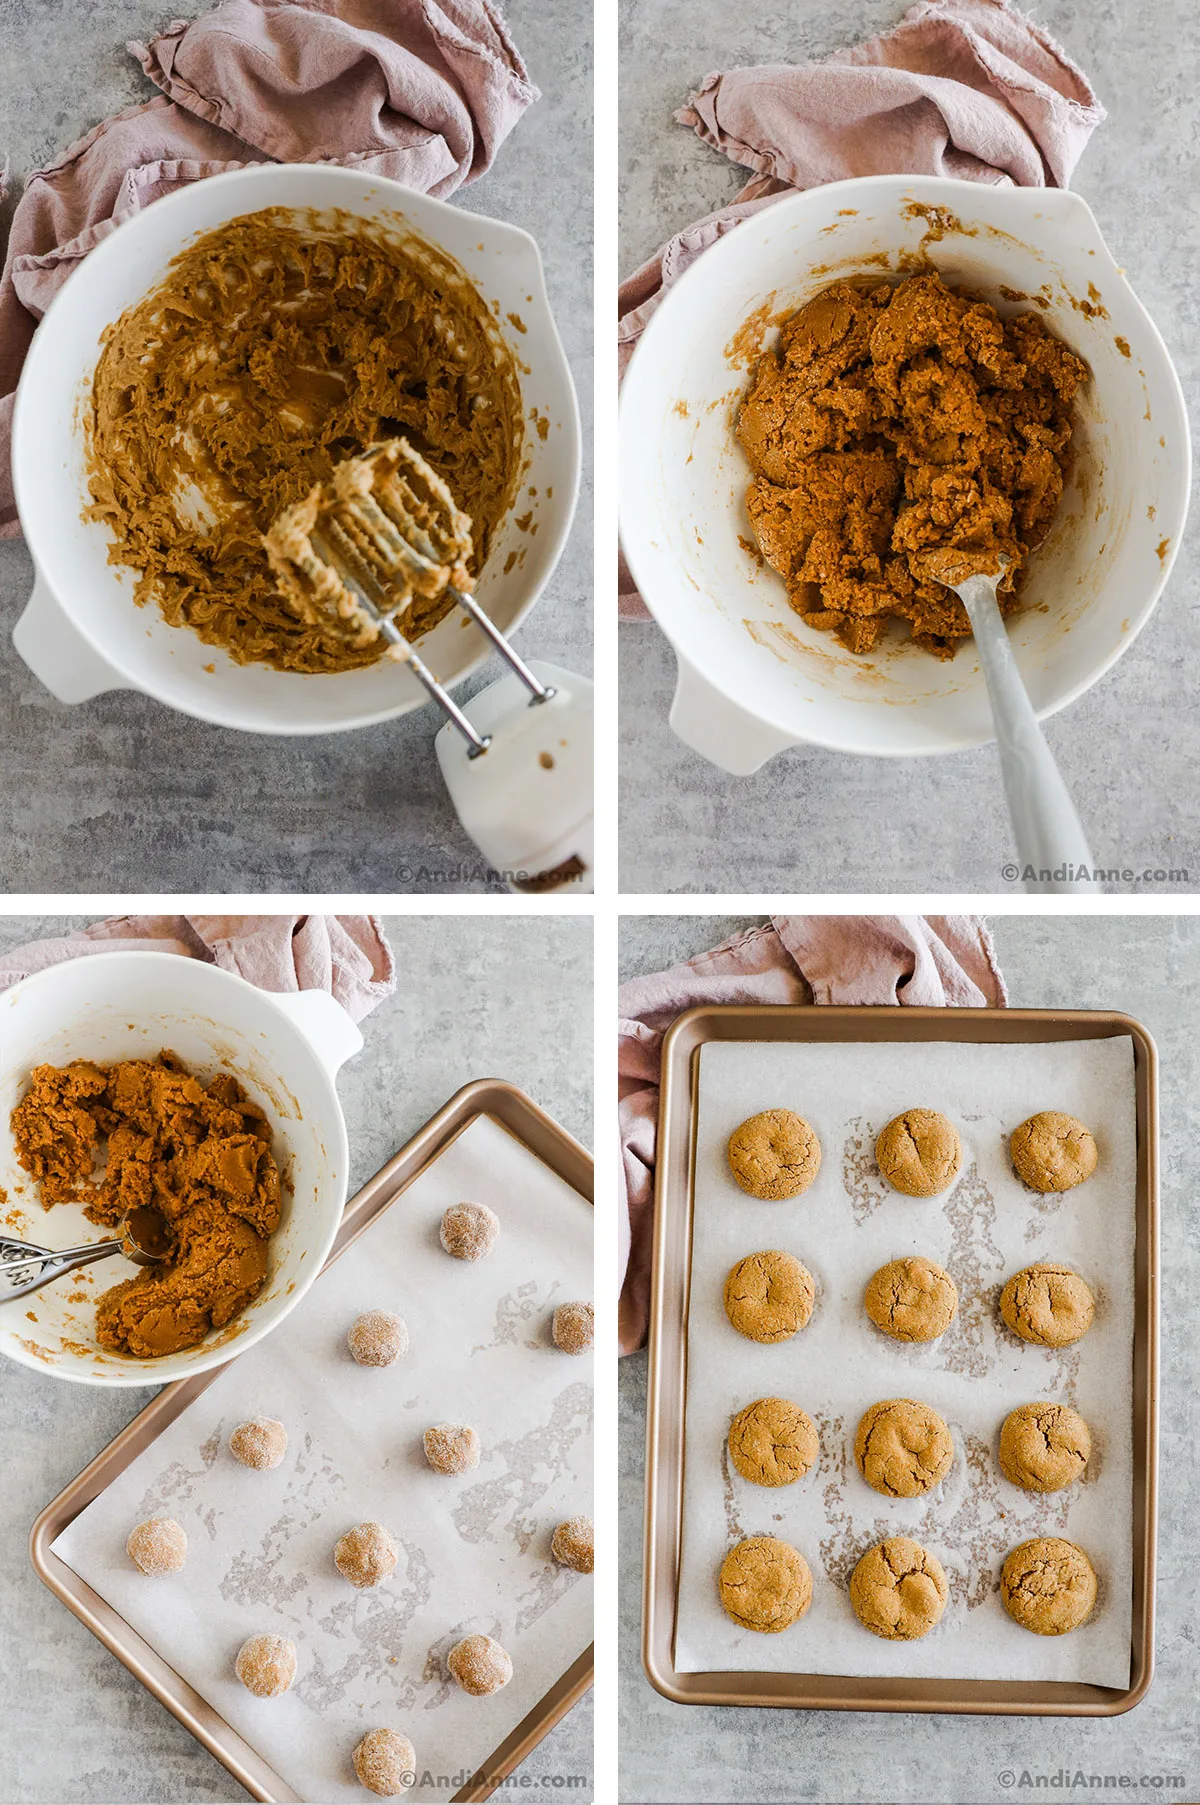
(25, 1267)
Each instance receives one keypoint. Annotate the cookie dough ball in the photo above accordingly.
(574, 1327)
(765, 1584)
(574, 1544)
(1048, 1586)
(1052, 1152)
(266, 1665)
(468, 1230)
(903, 1448)
(386, 1763)
(914, 1300)
(919, 1153)
(768, 1296)
(1049, 1305)
(480, 1665)
(366, 1555)
(774, 1155)
(772, 1442)
(451, 1448)
(260, 1443)
(898, 1590)
(376, 1338)
(1044, 1447)
(159, 1545)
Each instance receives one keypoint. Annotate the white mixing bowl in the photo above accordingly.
(753, 679)
(82, 633)
(285, 1050)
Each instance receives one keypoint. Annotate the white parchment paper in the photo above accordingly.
(475, 1549)
(843, 1228)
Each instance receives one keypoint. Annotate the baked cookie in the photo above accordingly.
(768, 1296)
(1047, 1304)
(919, 1153)
(765, 1584)
(1052, 1152)
(1048, 1586)
(903, 1448)
(914, 1300)
(386, 1763)
(1044, 1447)
(898, 1590)
(772, 1442)
(774, 1155)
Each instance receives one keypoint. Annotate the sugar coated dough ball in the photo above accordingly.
(468, 1230)
(480, 1665)
(574, 1544)
(386, 1763)
(159, 1545)
(451, 1447)
(574, 1328)
(366, 1555)
(261, 1443)
(266, 1665)
(376, 1338)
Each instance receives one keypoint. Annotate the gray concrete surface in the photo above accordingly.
(813, 820)
(477, 998)
(122, 794)
(1149, 967)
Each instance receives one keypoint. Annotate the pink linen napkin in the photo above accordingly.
(932, 960)
(963, 88)
(346, 955)
(423, 91)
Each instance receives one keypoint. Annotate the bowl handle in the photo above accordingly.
(325, 1025)
(718, 729)
(57, 654)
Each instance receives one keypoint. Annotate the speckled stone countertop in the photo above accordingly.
(814, 820)
(122, 794)
(477, 998)
(1149, 968)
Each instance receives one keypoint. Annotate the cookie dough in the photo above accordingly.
(899, 1590)
(1044, 1447)
(199, 1154)
(377, 1338)
(1048, 1586)
(765, 1584)
(772, 1442)
(913, 1299)
(573, 1328)
(366, 1555)
(261, 1443)
(386, 1763)
(1053, 1152)
(468, 1230)
(157, 1546)
(451, 1447)
(218, 401)
(774, 1155)
(266, 1665)
(903, 1448)
(919, 1153)
(480, 1665)
(1047, 1304)
(893, 423)
(768, 1296)
(574, 1544)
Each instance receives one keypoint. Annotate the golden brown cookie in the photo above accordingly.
(898, 1590)
(772, 1442)
(1048, 1586)
(768, 1296)
(1044, 1447)
(774, 1155)
(1052, 1152)
(919, 1153)
(914, 1300)
(765, 1584)
(1047, 1304)
(903, 1448)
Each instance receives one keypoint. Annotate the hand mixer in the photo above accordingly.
(517, 761)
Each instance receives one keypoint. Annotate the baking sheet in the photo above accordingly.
(843, 1228)
(474, 1549)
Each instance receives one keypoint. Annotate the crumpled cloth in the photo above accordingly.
(964, 88)
(856, 959)
(346, 955)
(423, 91)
